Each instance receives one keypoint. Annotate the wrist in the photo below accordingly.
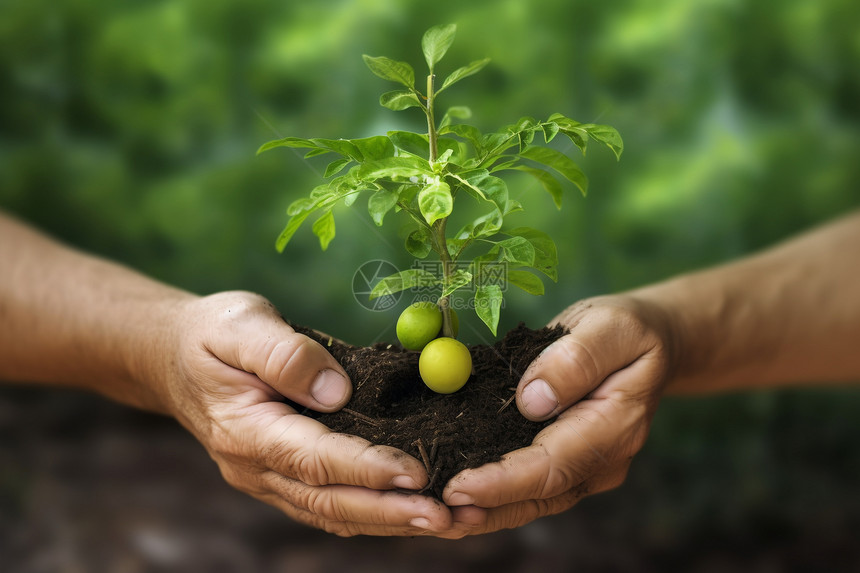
(149, 351)
(681, 325)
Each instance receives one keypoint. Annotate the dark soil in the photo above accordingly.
(477, 425)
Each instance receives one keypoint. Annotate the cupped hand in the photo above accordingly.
(227, 366)
(603, 379)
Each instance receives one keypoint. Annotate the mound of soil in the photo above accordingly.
(477, 425)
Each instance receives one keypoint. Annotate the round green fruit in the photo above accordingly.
(418, 324)
(445, 365)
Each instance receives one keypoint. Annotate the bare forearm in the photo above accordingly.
(72, 319)
(788, 315)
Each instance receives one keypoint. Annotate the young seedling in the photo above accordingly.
(423, 174)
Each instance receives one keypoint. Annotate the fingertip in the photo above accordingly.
(458, 498)
(406, 482)
(331, 389)
(455, 493)
(433, 516)
(468, 517)
(537, 400)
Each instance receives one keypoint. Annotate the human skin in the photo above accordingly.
(221, 365)
(789, 315)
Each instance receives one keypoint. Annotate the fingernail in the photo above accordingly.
(420, 522)
(405, 482)
(458, 498)
(538, 399)
(329, 388)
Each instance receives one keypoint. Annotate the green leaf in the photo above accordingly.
(571, 128)
(456, 148)
(526, 137)
(392, 167)
(326, 190)
(464, 72)
(316, 151)
(350, 193)
(403, 280)
(342, 146)
(549, 183)
(458, 279)
(443, 158)
(488, 302)
(292, 226)
(484, 226)
(301, 204)
(546, 253)
(577, 136)
(418, 144)
(286, 142)
(408, 192)
(490, 188)
(468, 132)
(560, 162)
(399, 100)
(436, 42)
(550, 130)
(322, 197)
(336, 166)
(413, 143)
(435, 201)
(324, 229)
(504, 162)
(388, 69)
(525, 122)
(488, 225)
(419, 243)
(455, 112)
(379, 204)
(580, 132)
(526, 281)
(606, 135)
(456, 246)
(495, 144)
(517, 251)
(512, 206)
(374, 148)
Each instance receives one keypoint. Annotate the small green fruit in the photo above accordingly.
(445, 365)
(418, 324)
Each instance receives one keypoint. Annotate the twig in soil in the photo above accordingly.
(434, 450)
(507, 403)
(431, 483)
(497, 397)
(362, 417)
(423, 451)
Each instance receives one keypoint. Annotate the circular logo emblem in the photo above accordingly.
(366, 277)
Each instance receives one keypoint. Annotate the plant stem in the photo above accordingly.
(447, 270)
(431, 120)
(439, 240)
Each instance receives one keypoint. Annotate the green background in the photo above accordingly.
(129, 128)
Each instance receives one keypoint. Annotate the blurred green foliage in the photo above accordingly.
(129, 128)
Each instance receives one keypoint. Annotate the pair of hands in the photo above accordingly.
(230, 359)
